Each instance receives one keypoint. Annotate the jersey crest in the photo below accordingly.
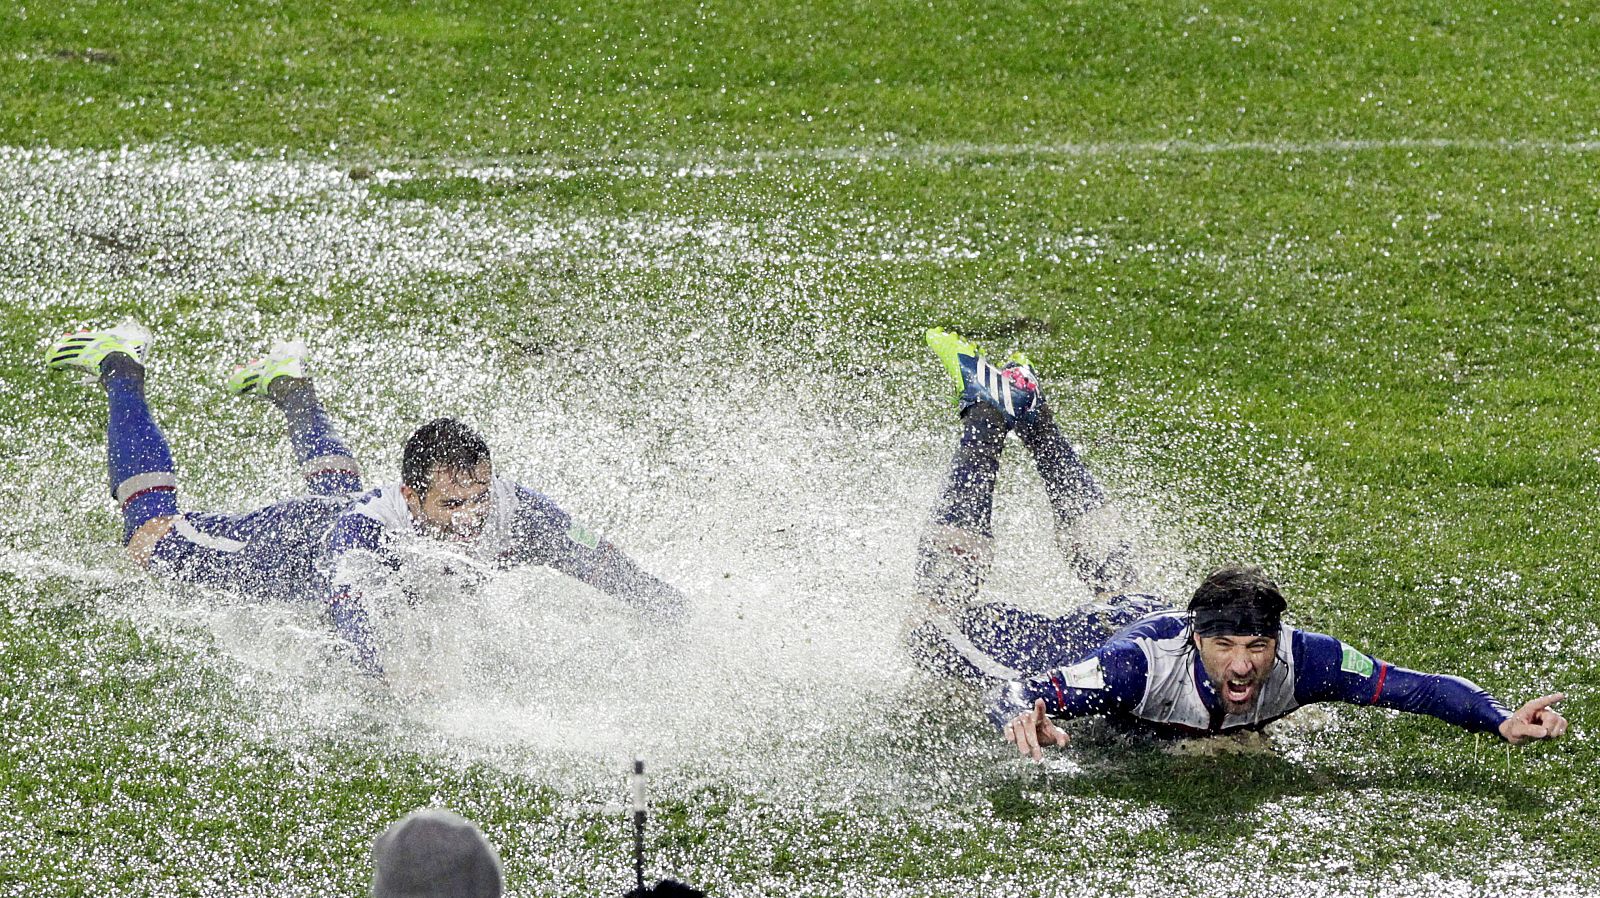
(1353, 661)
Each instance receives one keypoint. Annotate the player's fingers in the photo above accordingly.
(1060, 736)
(1028, 740)
(1016, 733)
(1551, 720)
(1044, 730)
(1532, 731)
(1544, 701)
(1036, 724)
(1028, 737)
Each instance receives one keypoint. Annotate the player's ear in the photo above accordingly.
(410, 495)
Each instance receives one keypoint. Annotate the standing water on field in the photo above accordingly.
(721, 397)
(734, 392)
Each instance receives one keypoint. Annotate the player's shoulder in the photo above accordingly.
(1128, 660)
(525, 501)
(521, 492)
(1310, 646)
(377, 510)
(1159, 627)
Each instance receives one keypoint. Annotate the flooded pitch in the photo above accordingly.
(730, 399)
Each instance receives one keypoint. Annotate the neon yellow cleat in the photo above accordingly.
(1012, 390)
(253, 377)
(87, 349)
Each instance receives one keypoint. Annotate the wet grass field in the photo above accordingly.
(1312, 288)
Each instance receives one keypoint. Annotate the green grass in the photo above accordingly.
(473, 77)
(1372, 368)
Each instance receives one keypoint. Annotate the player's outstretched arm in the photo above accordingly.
(1535, 720)
(1108, 682)
(607, 569)
(1329, 670)
(544, 534)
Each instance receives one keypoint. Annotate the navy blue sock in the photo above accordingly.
(1068, 483)
(325, 461)
(137, 455)
(968, 498)
(953, 554)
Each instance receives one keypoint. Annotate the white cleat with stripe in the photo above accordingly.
(85, 350)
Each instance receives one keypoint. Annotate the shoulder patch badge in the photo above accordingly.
(1355, 662)
(582, 536)
(1086, 674)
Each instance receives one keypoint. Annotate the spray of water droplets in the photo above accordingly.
(726, 398)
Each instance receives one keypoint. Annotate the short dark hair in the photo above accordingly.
(1237, 599)
(440, 443)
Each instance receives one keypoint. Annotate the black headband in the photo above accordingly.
(1237, 620)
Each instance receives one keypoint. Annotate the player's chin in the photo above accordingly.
(464, 534)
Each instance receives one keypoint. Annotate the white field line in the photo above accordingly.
(939, 151)
(955, 152)
(719, 161)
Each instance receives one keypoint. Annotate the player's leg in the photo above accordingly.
(990, 641)
(1088, 530)
(954, 555)
(950, 632)
(955, 551)
(138, 458)
(325, 461)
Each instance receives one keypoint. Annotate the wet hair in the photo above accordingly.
(1237, 600)
(441, 443)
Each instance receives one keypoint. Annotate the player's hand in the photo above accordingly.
(1535, 720)
(1033, 729)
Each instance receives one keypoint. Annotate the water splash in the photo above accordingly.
(738, 403)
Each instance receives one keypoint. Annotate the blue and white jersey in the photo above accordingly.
(523, 526)
(1149, 674)
(375, 546)
(343, 552)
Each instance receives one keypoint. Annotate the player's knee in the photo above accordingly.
(142, 542)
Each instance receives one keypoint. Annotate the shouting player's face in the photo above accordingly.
(456, 504)
(1237, 667)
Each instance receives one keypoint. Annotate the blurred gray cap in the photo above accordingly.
(433, 853)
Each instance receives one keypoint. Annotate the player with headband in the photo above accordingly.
(1227, 663)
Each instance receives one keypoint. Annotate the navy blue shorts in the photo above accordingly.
(271, 552)
(997, 641)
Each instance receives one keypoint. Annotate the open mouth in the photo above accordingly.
(1237, 691)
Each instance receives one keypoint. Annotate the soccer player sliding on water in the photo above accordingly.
(325, 546)
(1225, 664)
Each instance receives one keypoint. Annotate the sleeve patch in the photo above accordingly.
(1086, 674)
(582, 536)
(1355, 662)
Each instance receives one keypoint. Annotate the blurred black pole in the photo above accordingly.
(638, 822)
